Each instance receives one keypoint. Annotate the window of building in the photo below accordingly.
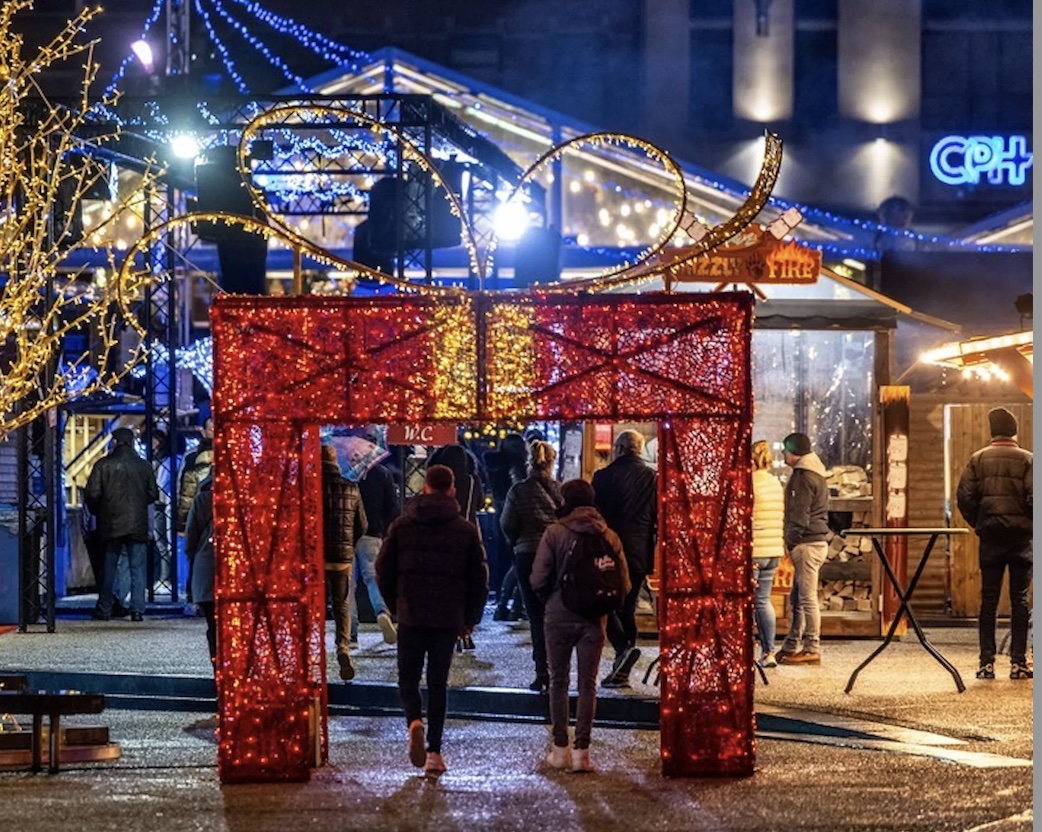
(815, 75)
(975, 79)
(711, 9)
(711, 100)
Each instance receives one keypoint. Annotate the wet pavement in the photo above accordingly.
(903, 751)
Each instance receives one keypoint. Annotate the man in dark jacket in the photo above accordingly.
(806, 533)
(626, 495)
(120, 489)
(432, 571)
(996, 498)
(343, 524)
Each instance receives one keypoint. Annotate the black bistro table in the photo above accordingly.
(905, 595)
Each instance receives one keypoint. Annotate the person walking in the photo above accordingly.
(432, 571)
(343, 524)
(119, 491)
(768, 545)
(380, 501)
(995, 496)
(627, 498)
(530, 507)
(806, 532)
(199, 547)
(567, 631)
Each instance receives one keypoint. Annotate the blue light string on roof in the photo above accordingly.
(319, 44)
(273, 59)
(153, 16)
(229, 64)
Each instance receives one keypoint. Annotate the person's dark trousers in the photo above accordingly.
(534, 608)
(338, 586)
(622, 625)
(209, 613)
(993, 562)
(436, 645)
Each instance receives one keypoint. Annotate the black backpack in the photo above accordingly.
(591, 579)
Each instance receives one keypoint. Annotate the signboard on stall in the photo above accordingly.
(753, 257)
(421, 433)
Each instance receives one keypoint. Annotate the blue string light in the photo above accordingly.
(226, 58)
(319, 44)
(273, 59)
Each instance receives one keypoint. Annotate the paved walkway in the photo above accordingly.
(868, 774)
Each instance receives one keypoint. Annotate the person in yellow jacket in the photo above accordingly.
(768, 544)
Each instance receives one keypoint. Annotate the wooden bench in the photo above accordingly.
(53, 704)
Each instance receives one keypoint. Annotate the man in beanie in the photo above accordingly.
(806, 530)
(995, 497)
(120, 489)
(627, 498)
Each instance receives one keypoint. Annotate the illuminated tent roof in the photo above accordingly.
(524, 131)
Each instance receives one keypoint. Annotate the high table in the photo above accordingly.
(905, 595)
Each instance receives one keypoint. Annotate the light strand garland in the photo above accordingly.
(226, 58)
(44, 165)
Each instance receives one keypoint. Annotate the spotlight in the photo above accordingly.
(184, 146)
(511, 220)
(143, 51)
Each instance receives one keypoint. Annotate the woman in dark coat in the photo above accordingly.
(530, 508)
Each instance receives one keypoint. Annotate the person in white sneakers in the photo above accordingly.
(567, 630)
(432, 571)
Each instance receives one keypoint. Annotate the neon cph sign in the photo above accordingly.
(962, 160)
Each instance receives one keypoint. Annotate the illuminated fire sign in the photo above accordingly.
(754, 257)
(964, 160)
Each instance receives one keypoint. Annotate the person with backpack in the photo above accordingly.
(530, 507)
(580, 569)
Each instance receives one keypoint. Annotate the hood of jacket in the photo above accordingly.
(584, 520)
(811, 462)
(432, 508)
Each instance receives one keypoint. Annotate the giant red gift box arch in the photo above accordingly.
(284, 366)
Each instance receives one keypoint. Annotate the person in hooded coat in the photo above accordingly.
(806, 538)
(567, 631)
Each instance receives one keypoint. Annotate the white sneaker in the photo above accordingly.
(581, 759)
(559, 757)
(387, 627)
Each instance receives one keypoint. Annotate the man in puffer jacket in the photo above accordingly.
(995, 496)
(432, 571)
(343, 523)
(806, 533)
(120, 488)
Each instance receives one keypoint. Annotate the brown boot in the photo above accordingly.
(804, 657)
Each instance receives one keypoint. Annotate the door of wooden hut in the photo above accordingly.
(966, 431)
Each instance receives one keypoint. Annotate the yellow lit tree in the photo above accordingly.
(49, 153)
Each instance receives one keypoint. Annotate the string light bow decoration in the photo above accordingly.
(651, 262)
(47, 169)
(285, 365)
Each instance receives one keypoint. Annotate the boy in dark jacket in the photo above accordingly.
(432, 571)
(995, 496)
